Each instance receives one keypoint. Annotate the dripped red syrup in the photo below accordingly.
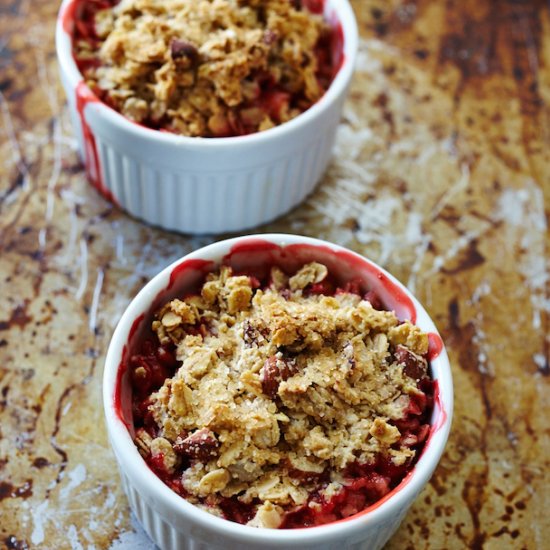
(435, 345)
(344, 264)
(84, 97)
(122, 368)
(67, 16)
(117, 401)
(442, 416)
(368, 486)
(337, 47)
(202, 266)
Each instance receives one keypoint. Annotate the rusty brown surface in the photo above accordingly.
(441, 174)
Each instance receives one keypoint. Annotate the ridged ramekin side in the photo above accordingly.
(212, 201)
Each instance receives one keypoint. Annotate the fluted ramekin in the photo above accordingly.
(204, 185)
(175, 524)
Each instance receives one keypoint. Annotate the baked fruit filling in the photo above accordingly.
(209, 68)
(286, 402)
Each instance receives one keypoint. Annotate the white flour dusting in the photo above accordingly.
(39, 516)
(72, 535)
(133, 540)
(76, 477)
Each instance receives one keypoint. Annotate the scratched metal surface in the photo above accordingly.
(441, 174)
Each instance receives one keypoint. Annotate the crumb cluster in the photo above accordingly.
(205, 67)
(280, 390)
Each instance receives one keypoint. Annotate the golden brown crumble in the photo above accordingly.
(196, 67)
(283, 381)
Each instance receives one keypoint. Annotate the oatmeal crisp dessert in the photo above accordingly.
(210, 68)
(285, 402)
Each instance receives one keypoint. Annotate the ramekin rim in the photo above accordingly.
(337, 88)
(123, 444)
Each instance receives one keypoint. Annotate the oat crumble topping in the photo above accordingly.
(280, 391)
(205, 67)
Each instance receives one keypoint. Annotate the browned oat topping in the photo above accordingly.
(205, 67)
(284, 386)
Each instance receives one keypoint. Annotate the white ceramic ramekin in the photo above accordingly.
(175, 524)
(197, 185)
